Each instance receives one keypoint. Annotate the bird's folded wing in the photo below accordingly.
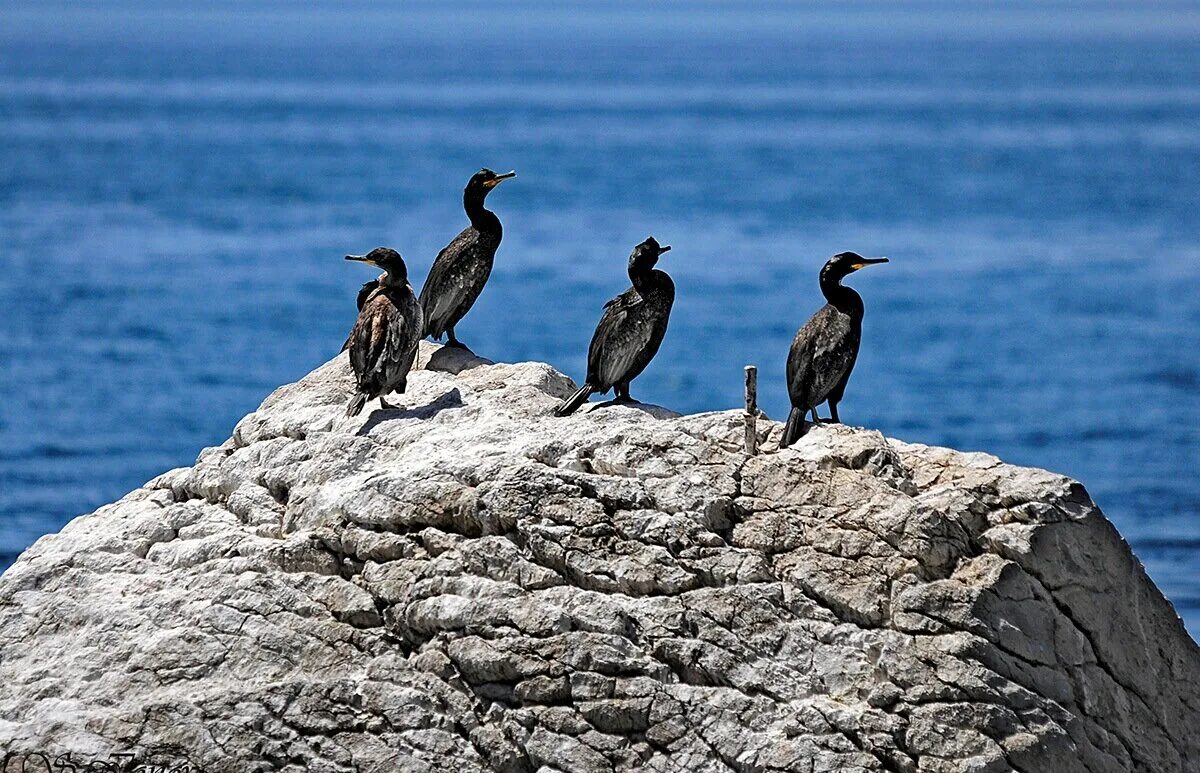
(364, 294)
(445, 300)
(359, 342)
(401, 344)
(625, 300)
(620, 338)
(820, 356)
(370, 335)
(446, 286)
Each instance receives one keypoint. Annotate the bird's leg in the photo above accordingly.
(815, 418)
(623, 397)
(386, 405)
(833, 412)
(452, 341)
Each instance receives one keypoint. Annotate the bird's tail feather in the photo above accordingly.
(355, 406)
(794, 429)
(572, 403)
(429, 326)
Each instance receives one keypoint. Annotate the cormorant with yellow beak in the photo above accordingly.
(463, 266)
(630, 330)
(825, 349)
(383, 343)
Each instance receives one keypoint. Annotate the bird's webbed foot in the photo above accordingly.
(452, 341)
(622, 396)
(386, 405)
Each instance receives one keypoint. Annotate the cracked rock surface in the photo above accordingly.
(470, 584)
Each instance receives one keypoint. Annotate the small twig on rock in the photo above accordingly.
(751, 409)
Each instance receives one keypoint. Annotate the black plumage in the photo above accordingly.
(630, 330)
(383, 343)
(825, 349)
(462, 268)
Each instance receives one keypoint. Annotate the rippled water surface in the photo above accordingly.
(177, 188)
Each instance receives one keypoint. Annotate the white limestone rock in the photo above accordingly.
(470, 584)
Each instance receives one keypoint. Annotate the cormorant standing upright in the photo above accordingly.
(463, 266)
(824, 350)
(630, 330)
(383, 343)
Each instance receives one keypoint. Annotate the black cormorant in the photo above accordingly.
(383, 343)
(462, 268)
(630, 330)
(824, 350)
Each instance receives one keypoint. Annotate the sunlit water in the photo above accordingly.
(177, 190)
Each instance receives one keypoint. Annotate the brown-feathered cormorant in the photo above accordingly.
(463, 266)
(824, 350)
(383, 343)
(630, 330)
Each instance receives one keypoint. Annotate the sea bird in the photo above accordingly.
(383, 343)
(824, 350)
(630, 330)
(463, 266)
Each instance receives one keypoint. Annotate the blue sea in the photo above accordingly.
(180, 181)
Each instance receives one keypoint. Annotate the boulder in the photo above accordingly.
(468, 583)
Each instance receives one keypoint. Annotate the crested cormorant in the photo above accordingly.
(824, 350)
(630, 330)
(383, 343)
(462, 267)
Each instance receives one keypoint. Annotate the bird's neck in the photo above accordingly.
(393, 279)
(482, 218)
(842, 298)
(645, 279)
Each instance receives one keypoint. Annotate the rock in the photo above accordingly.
(469, 583)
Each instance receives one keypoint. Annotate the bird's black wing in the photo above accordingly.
(405, 331)
(822, 354)
(455, 280)
(622, 334)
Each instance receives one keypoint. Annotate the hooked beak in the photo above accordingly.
(664, 248)
(500, 178)
(867, 262)
(361, 259)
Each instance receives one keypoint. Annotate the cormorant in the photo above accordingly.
(824, 350)
(630, 330)
(383, 343)
(462, 267)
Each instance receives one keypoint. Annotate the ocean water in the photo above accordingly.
(178, 188)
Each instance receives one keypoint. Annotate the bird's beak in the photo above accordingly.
(361, 259)
(867, 262)
(665, 248)
(500, 178)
